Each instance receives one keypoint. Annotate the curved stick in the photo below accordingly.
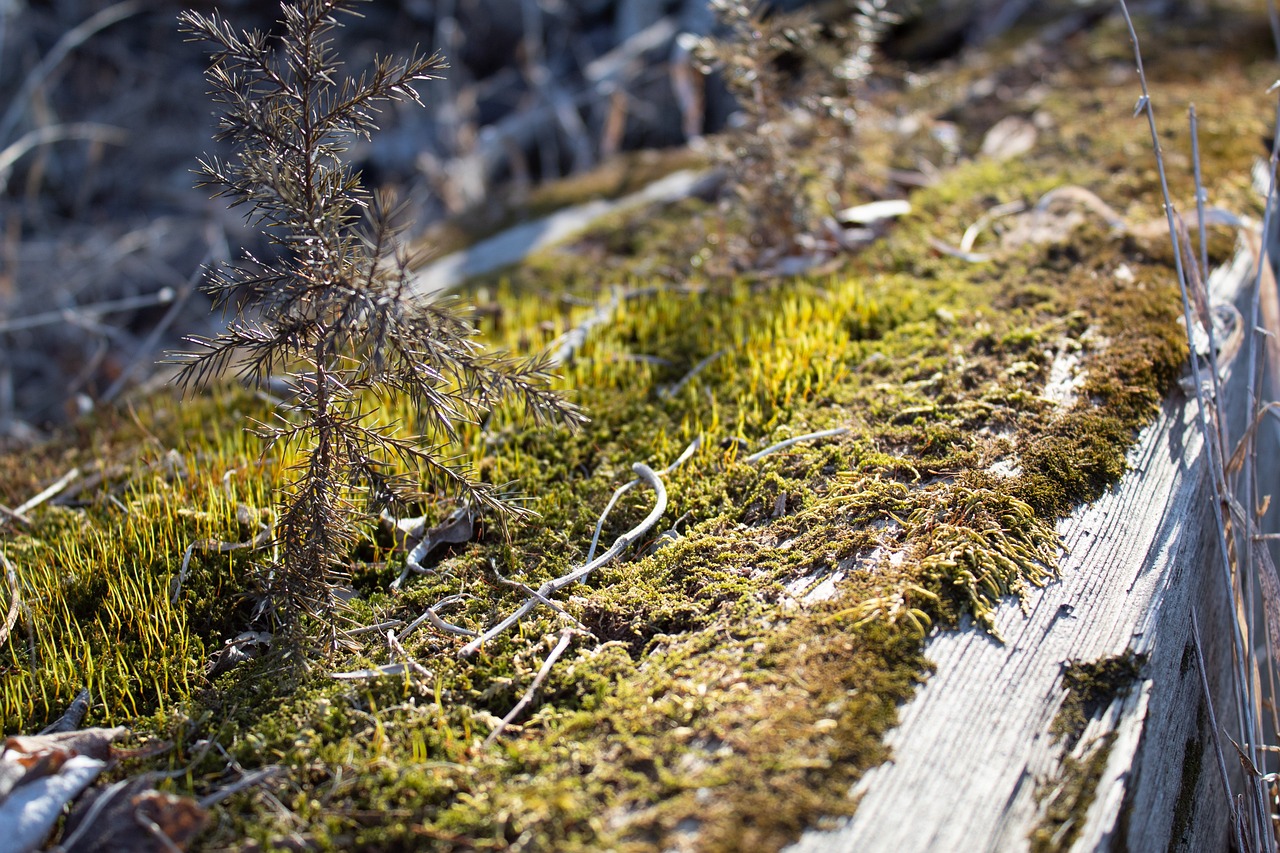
(790, 442)
(624, 488)
(619, 545)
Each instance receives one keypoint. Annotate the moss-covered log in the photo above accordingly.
(744, 666)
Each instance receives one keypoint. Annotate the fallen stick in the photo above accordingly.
(620, 544)
(247, 781)
(626, 487)
(15, 604)
(791, 442)
(63, 481)
(565, 636)
(531, 593)
(668, 393)
(434, 618)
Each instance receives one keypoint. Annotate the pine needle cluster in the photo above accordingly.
(334, 308)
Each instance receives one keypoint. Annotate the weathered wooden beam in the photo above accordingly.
(974, 761)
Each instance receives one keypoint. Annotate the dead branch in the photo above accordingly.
(70, 40)
(626, 487)
(15, 603)
(529, 591)
(620, 544)
(61, 483)
(430, 615)
(248, 780)
(458, 527)
(261, 540)
(791, 442)
(668, 393)
(566, 636)
(72, 717)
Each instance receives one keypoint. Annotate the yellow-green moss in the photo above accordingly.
(1066, 798)
(1091, 686)
(711, 704)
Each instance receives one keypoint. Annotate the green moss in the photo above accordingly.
(1066, 798)
(711, 703)
(1091, 686)
(1184, 807)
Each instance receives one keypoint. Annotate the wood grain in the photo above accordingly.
(974, 743)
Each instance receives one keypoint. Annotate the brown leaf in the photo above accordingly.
(133, 817)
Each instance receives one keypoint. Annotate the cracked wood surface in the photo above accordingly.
(974, 743)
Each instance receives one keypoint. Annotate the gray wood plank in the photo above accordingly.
(974, 742)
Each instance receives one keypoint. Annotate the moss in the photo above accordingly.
(1185, 806)
(1091, 686)
(1066, 798)
(713, 705)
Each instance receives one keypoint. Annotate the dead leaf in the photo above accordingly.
(95, 743)
(33, 806)
(457, 528)
(244, 647)
(1010, 137)
(135, 817)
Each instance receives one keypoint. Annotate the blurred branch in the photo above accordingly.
(163, 296)
(618, 68)
(70, 40)
(55, 133)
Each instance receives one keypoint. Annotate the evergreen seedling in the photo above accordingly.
(335, 308)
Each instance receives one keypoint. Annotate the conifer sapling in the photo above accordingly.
(334, 307)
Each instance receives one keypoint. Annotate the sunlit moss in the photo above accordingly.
(712, 701)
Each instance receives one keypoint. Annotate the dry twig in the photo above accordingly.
(566, 636)
(620, 544)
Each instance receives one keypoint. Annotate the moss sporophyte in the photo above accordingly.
(732, 674)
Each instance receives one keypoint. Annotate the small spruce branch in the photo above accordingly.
(335, 311)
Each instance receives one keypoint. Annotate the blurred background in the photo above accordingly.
(103, 110)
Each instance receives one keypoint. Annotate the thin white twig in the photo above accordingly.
(532, 593)
(669, 393)
(972, 233)
(62, 482)
(15, 603)
(431, 616)
(262, 540)
(70, 40)
(791, 442)
(442, 534)
(620, 544)
(625, 487)
(16, 516)
(369, 629)
(398, 649)
(565, 637)
(99, 805)
(33, 139)
(166, 843)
